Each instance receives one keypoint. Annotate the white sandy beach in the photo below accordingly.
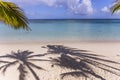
(108, 49)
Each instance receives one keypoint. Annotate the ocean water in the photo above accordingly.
(64, 30)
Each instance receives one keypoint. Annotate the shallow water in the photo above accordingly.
(64, 30)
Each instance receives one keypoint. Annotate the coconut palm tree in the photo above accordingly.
(25, 60)
(12, 15)
(82, 63)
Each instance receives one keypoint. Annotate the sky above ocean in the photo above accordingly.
(70, 9)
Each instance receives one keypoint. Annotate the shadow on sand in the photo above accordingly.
(25, 61)
(82, 62)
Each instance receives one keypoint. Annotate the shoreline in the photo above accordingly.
(59, 41)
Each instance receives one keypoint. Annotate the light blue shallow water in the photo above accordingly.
(64, 30)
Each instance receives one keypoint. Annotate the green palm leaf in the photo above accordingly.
(12, 15)
(116, 7)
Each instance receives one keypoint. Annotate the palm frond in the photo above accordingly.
(86, 56)
(1, 67)
(95, 63)
(108, 70)
(74, 73)
(1, 61)
(38, 55)
(12, 15)
(8, 56)
(32, 71)
(38, 60)
(8, 65)
(116, 7)
(94, 74)
(35, 66)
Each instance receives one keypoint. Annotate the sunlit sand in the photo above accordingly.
(109, 49)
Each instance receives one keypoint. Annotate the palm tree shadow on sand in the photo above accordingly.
(25, 60)
(82, 62)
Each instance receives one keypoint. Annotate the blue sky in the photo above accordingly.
(61, 9)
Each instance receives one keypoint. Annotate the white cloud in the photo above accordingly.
(75, 6)
(85, 7)
(107, 9)
(48, 2)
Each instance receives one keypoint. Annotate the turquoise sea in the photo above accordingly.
(64, 30)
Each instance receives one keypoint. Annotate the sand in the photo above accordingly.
(109, 49)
